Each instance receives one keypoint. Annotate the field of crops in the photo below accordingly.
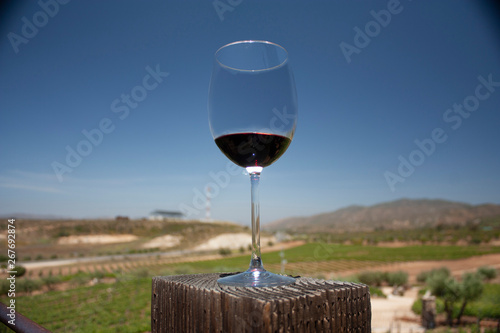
(344, 257)
(310, 258)
(123, 306)
(122, 303)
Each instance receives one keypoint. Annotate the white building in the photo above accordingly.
(163, 215)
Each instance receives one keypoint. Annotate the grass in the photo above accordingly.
(314, 252)
(124, 306)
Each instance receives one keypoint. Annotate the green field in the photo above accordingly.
(319, 252)
(124, 305)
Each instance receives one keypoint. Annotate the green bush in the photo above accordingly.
(376, 278)
(224, 251)
(371, 278)
(80, 279)
(28, 285)
(422, 276)
(398, 278)
(51, 281)
(487, 273)
(20, 271)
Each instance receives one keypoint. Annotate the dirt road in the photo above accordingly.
(456, 267)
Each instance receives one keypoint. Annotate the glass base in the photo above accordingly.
(256, 277)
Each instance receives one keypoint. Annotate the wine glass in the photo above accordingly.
(252, 110)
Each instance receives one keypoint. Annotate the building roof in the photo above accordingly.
(167, 213)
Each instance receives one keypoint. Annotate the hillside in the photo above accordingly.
(399, 214)
(63, 238)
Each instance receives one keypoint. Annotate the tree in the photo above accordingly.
(442, 285)
(451, 291)
(471, 290)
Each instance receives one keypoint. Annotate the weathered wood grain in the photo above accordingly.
(197, 303)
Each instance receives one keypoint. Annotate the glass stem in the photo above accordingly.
(256, 261)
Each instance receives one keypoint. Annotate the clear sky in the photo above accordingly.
(103, 105)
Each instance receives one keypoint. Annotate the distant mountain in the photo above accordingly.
(399, 214)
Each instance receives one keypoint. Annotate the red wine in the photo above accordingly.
(253, 149)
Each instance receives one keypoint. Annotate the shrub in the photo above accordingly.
(79, 279)
(224, 251)
(487, 273)
(371, 278)
(28, 285)
(50, 281)
(98, 274)
(20, 271)
(422, 276)
(398, 278)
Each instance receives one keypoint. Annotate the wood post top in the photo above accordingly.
(302, 287)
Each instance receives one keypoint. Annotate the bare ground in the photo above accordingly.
(456, 267)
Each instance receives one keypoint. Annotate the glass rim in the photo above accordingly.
(250, 41)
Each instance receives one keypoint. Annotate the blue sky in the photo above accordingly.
(133, 76)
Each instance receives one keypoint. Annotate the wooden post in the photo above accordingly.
(429, 311)
(197, 303)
